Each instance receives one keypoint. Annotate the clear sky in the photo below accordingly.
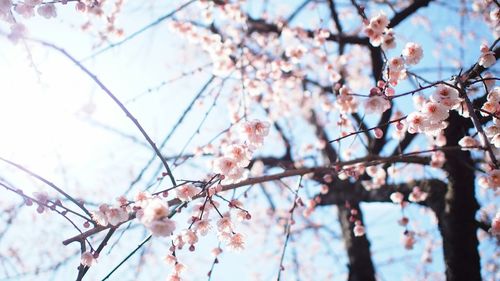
(57, 122)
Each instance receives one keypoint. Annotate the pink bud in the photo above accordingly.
(374, 91)
(378, 133)
(28, 202)
(484, 48)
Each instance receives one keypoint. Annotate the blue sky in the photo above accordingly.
(48, 113)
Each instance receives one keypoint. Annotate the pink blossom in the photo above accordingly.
(224, 165)
(214, 189)
(409, 240)
(47, 11)
(495, 224)
(186, 192)
(412, 53)
(489, 107)
(494, 95)
(41, 196)
(447, 96)
(496, 140)
(116, 216)
(142, 199)
(87, 259)
(388, 40)
(396, 64)
(416, 122)
(379, 22)
(163, 227)
(174, 277)
(435, 112)
(440, 140)
(489, 82)
(5, 6)
(17, 31)
(216, 251)
(418, 101)
(437, 159)
(376, 105)
(170, 259)
(375, 30)
(359, 229)
(346, 103)
(202, 226)
(80, 7)
(295, 53)
(236, 242)
(190, 237)
(100, 218)
(493, 178)
(25, 10)
(179, 268)
(417, 195)
(467, 142)
(239, 153)
(224, 224)
(155, 209)
(487, 58)
(255, 131)
(397, 197)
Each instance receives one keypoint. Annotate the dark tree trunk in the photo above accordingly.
(457, 219)
(346, 196)
(358, 248)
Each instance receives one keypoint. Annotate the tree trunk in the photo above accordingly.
(358, 248)
(457, 220)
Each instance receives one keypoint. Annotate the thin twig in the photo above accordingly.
(114, 98)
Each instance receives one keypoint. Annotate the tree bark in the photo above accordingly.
(457, 220)
(358, 248)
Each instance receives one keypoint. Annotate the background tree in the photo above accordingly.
(251, 139)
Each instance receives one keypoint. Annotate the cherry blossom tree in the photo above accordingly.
(293, 140)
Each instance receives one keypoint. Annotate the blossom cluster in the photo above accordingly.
(492, 107)
(378, 33)
(491, 179)
(237, 156)
(201, 223)
(27, 8)
(378, 175)
(487, 57)
(153, 213)
(11, 9)
(430, 118)
(378, 101)
(411, 54)
(219, 50)
(495, 224)
(346, 102)
(111, 215)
